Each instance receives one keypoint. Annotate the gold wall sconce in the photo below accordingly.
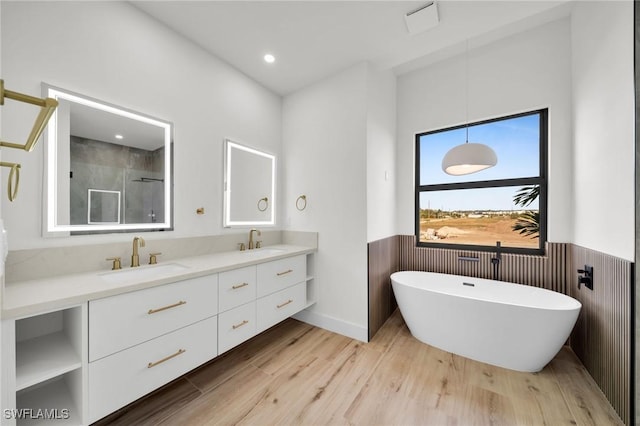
(47, 108)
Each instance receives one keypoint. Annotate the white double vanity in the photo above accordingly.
(82, 346)
(79, 346)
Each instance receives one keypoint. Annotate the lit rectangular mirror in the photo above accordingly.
(108, 169)
(249, 186)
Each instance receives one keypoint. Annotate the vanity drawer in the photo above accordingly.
(125, 320)
(280, 274)
(236, 326)
(236, 287)
(276, 307)
(121, 378)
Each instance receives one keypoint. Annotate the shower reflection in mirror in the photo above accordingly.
(108, 168)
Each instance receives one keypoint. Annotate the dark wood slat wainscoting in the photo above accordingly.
(384, 260)
(539, 271)
(602, 335)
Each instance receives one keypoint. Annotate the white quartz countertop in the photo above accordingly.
(27, 298)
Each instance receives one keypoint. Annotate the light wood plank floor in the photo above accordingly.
(296, 374)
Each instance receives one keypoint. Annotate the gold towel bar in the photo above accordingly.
(14, 179)
(48, 106)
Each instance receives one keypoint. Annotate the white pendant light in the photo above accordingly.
(468, 157)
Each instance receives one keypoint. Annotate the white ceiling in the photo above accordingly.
(315, 39)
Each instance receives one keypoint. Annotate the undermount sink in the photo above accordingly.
(264, 251)
(142, 272)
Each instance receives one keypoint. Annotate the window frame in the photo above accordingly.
(540, 180)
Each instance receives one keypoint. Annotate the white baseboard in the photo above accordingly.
(348, 329)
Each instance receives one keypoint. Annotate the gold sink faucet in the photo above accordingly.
(135, 258)
(251, 245)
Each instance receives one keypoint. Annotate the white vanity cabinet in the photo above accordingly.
(86, 360)
(255, 298)
(280, 305)
(237, 298)
(121, 378)
(281, 290)
(125, 320)
(237, 287)
(279, 274)
(140, 340)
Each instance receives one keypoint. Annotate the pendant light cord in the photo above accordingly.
(466, 87)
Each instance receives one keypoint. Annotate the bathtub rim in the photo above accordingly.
(571, 303)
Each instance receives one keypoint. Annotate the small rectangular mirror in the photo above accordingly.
(104, 207)
(249, 186)
(108, 169)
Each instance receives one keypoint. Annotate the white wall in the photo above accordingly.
(603, 98)
(324, 152)
(381, 155)
(524, 72)
(113, 52)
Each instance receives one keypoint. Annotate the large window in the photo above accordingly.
(505, 203)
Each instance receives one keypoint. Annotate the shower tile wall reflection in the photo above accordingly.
(136, 173)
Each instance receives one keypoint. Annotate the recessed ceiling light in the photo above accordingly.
(269, 58)
(119, 137)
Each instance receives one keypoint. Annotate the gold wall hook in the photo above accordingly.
(47, 108)
(14, 179)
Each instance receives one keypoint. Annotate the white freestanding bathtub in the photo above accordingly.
(509, 325)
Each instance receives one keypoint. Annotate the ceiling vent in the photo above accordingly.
(422, 19)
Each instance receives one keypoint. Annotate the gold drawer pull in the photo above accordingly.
(153, 364)
(153, 311)
(237, 286)
(244, 322)
(284, 272)
(284, 304)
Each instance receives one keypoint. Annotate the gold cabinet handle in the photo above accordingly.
(237, 286)
(284, 304)
(153, 364)
(14, 179)
(153, 311)
(288, 271)
(244, 322)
